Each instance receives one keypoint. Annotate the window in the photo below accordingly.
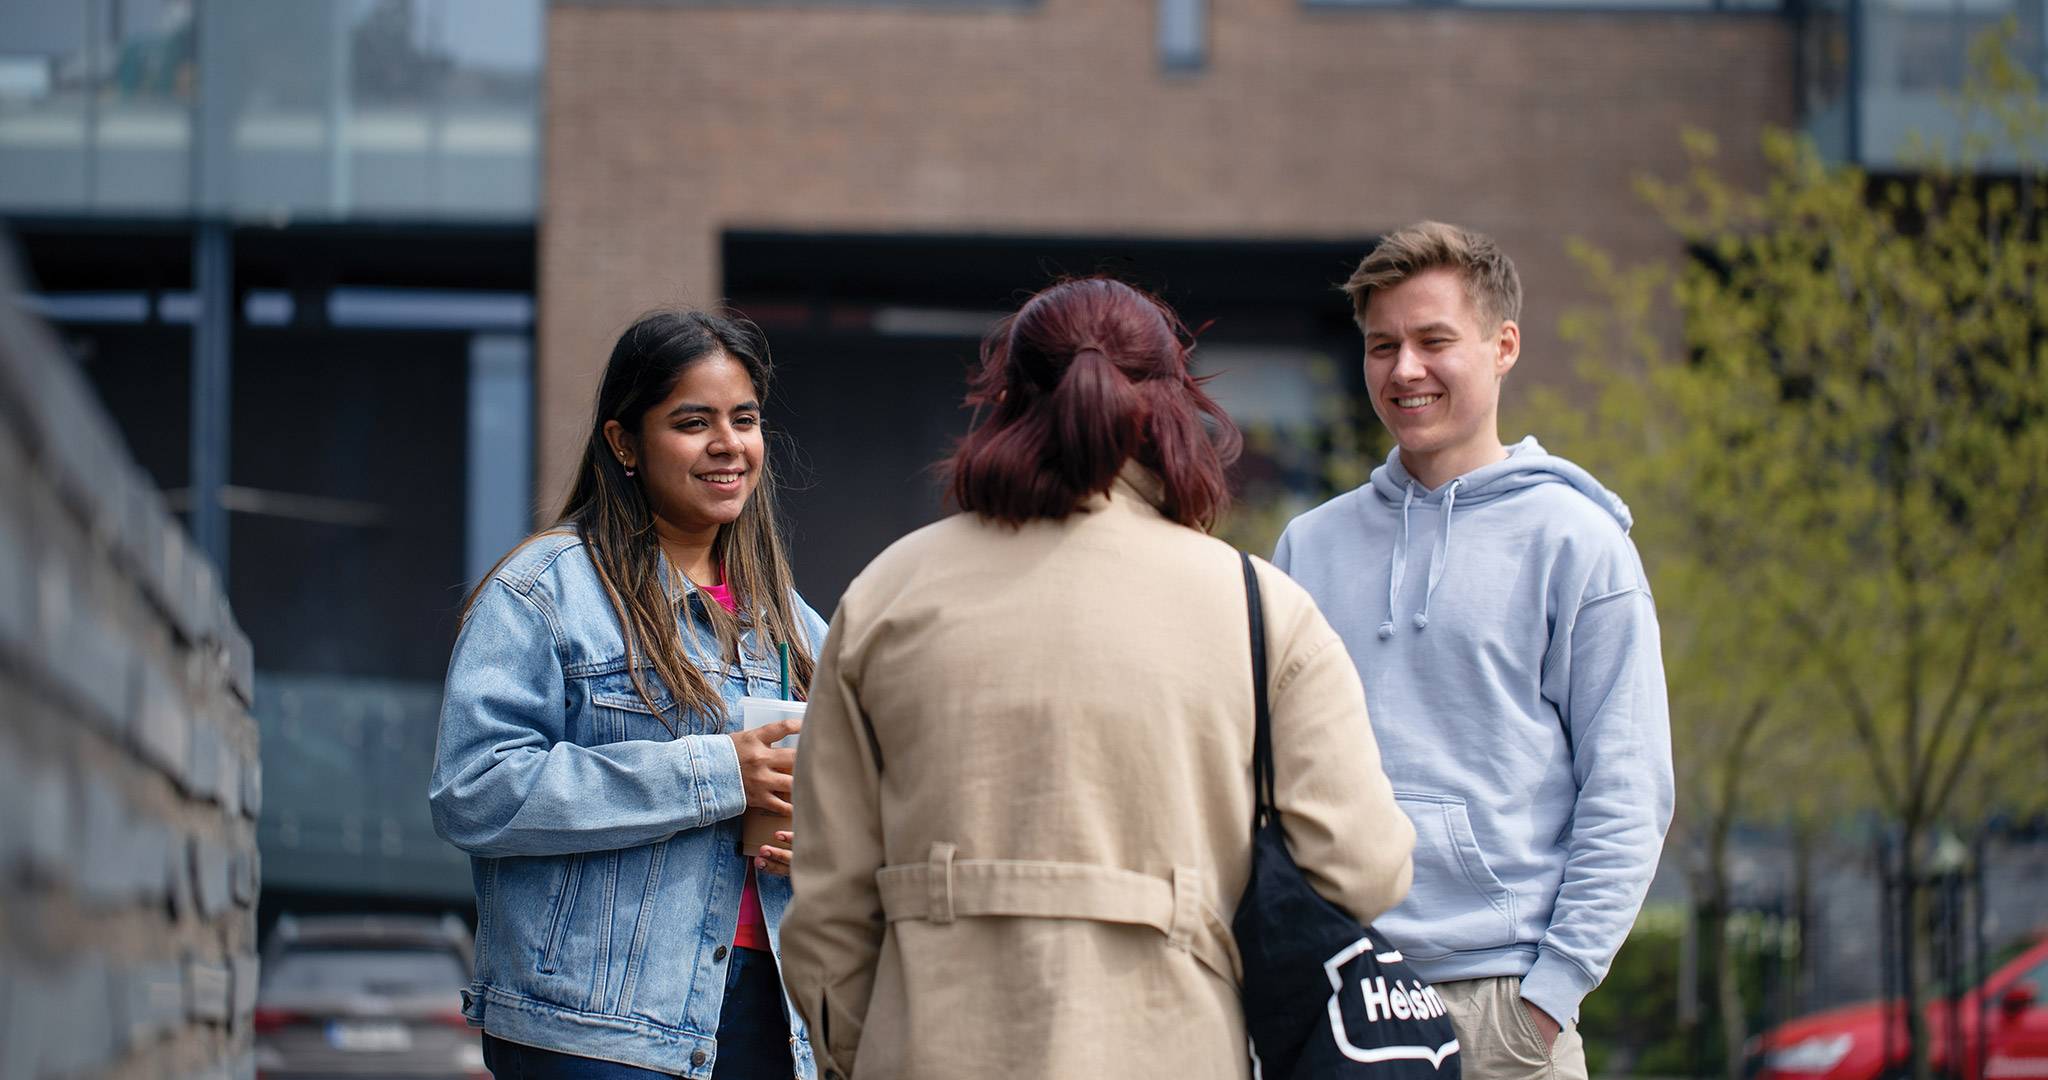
(938, 5)
(1908, 58)
(1562, 5)
(334, 109)
(1183, 34)
(2038, 979)
(95, 105)
(380, 972)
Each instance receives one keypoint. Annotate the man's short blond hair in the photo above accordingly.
(1491, 283)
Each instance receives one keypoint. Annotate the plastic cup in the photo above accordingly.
(758, 827)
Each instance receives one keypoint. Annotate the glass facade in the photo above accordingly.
(256, 110)
(96, 106)
(291, 244)
(1880, 74)
(1563, 5)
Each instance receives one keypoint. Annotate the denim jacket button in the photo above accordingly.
(718, 954)
(697, 1058)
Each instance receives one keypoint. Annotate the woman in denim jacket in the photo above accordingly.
(590, 759)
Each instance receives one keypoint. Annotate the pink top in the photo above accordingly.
(753, 929)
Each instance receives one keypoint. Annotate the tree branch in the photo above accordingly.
(1977, 619)
(1944, 717)
(1977, 725)
(1863, 721)
(1731, 779)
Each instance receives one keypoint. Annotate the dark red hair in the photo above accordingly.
(1087, 375)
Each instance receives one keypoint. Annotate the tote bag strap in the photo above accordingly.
(1262, 732)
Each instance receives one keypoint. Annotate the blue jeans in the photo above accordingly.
(753, 1036)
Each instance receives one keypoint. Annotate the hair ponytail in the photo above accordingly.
(1097, 418)
(1087, 376)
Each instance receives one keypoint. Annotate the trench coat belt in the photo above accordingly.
(944, 888)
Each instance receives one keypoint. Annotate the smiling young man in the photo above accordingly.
(1501, 621)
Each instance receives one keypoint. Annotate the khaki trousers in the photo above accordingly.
(1498, 1040)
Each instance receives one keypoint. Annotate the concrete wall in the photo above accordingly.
(670, 121)
(129, 780)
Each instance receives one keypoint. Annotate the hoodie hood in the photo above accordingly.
(1527, 465)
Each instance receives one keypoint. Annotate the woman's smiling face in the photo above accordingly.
(698, 452)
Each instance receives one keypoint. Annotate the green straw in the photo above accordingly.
(783, 648)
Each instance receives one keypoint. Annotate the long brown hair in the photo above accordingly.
(609, 511)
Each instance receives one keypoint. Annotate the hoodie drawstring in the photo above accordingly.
(1398, 566)
(1443, 555)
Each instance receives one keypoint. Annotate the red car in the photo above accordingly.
(1848, 1043)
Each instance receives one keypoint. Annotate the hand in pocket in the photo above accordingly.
(1545, 1026)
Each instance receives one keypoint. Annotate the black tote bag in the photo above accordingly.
(1323, 996)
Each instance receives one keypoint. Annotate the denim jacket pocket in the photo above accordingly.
(564, 909)
(758, 677)
(621, 713)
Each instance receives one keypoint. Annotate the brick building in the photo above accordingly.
(683, 139)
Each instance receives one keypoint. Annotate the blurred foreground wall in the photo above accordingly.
(129, 777)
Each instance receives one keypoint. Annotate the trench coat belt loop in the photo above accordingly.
(1187, 908)
(939, 881)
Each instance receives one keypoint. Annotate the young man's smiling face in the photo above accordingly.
(1433, 365)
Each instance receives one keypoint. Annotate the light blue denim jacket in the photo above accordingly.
(604, 849)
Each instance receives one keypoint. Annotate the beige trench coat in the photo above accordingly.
(1024, 800)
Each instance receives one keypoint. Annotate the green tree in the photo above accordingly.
(1839, 456)
(1740, 687)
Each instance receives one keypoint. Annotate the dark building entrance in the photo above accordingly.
(874, 336)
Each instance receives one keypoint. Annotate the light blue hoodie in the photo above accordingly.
(1504, 630)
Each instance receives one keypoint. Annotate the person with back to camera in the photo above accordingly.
(1503, 626)
(1026, 772)
(590, 759)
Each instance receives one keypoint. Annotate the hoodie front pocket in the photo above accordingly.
(1456, 903)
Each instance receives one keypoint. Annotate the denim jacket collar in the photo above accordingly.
(676, 585)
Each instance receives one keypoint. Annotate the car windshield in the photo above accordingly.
(2038, 979)
(1971, 975)
(379, 971)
